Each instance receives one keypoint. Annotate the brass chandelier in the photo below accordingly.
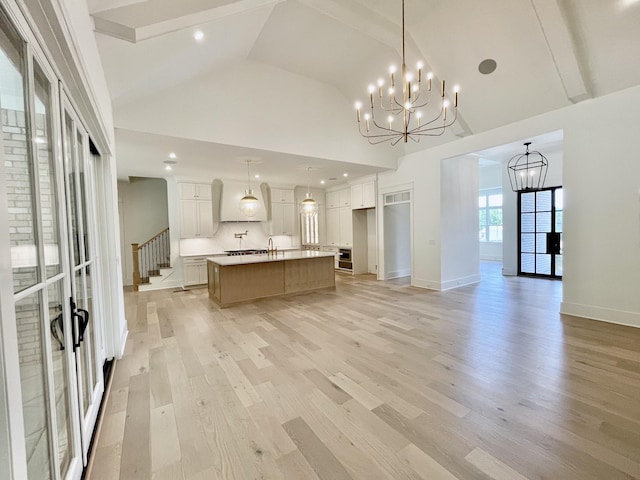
(412, 114)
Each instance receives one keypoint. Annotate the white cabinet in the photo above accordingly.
(282, 218)
(336, 255)
(345, 197)
(346, 226)
(363, 195)
(196, 210)
(333, 199)
(339, 224)
(280, 195)
(189, 191)
(333, 226)
(339, 227)
(339, 198)
(195, 271)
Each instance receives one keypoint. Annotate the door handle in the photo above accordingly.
(79, 323)
(57, 328)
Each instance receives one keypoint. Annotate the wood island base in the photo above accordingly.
(241, 282)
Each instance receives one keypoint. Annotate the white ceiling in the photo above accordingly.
(309, 60)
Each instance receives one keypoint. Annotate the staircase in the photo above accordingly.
(152, 262)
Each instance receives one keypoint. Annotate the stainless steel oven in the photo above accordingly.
(344, 263)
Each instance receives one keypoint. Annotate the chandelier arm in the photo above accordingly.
(390, 130)
(388, 138)
(383, 136)
(426, 131)
(422, 105)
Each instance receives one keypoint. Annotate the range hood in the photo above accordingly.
(229, 193)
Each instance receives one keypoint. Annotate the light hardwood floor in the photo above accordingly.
(376, 380)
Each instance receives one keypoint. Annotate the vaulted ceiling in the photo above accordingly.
(276, 80)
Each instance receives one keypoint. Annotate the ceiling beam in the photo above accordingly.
(562, 49)
(140, 33)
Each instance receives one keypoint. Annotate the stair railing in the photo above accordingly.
(149, 257)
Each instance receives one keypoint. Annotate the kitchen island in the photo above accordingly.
(236, 279)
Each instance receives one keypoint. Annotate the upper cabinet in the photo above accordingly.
(345, 197)
(363, 195)
(282, 219)
(195, 191)
(281, 195)
(196, 210)
(339, 198)
(282, 212)
(333, 199)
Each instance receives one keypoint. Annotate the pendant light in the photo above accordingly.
(249, 204)
(308, 207)
(527, 171)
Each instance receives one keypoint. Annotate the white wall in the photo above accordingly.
(460, 253)
(289, 113)
(372, 256)
(144, 208)
(602, 231)
(397, 240)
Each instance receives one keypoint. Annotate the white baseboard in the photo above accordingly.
(459, 282)
(159, 286)
(448, 285)
(123, 339)
(611, 315)
(398, 274)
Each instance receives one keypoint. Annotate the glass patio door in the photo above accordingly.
(540, 233)
(78, 168)
(39, 328)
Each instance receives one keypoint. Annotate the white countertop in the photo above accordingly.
(264, 258)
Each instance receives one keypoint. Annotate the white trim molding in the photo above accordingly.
(611, 315)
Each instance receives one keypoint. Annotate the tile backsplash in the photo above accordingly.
(224, 239)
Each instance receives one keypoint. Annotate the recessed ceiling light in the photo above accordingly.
(172, 155)
(487, 66)
(198, 35)
(345, 174)
(257, 176)
(322, 182)
(168, 165)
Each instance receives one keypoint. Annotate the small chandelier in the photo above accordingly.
(308, 206)
(249, 204)
(412, 110)
(527, 171)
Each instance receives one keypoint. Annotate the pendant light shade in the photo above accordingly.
(249, 204)
(527, 171)
(308, 206)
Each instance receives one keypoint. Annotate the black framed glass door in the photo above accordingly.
(540, 215)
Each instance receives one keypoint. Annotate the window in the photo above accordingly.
(490, 215)
(310, 230)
